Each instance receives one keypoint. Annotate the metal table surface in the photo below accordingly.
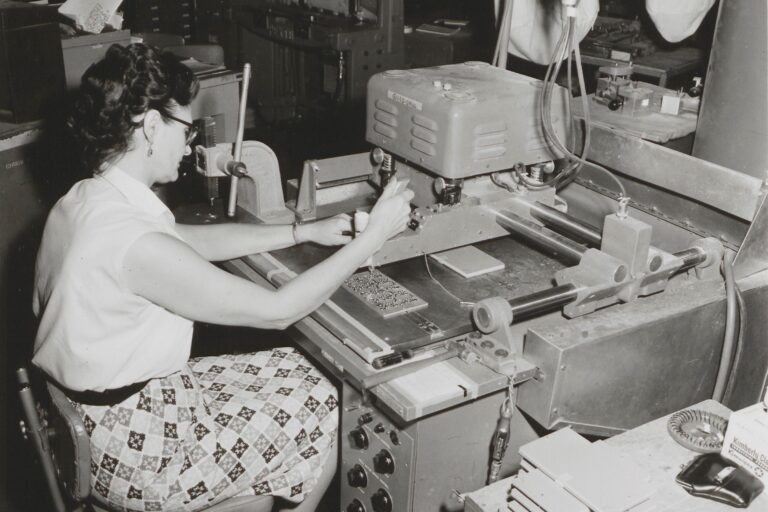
(527, 270)
(654, 451)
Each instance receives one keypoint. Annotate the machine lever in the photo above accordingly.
(232, 205)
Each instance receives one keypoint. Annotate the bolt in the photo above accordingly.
(623, 204)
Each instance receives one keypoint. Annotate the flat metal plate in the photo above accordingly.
(753, 254)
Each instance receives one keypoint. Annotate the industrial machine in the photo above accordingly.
(609, 308)
(316, 50)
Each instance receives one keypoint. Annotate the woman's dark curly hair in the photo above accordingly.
(126, 83)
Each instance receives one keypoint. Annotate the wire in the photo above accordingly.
(571, 125)
(566, 47)
(739, 343)
(462, 302)
(496, 180)
(765, 387)
(726, 354)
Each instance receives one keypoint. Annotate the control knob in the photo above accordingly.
(357, 477)
(359, 438)
(355, 506)
(383, 462)
(381, 501)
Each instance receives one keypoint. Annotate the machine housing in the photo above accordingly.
(461, 120)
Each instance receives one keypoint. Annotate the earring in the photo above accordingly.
(149, 150)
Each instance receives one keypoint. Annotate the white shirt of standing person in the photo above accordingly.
(537, 25)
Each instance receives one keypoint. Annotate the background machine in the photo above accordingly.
(316, 50)
(579, 297)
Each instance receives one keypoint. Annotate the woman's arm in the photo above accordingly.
(173, 275)
(219, 242)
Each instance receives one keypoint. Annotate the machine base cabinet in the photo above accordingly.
(417, 466)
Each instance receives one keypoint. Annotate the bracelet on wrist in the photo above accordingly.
(295, 232)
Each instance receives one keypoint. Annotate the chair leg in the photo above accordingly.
(32, 428)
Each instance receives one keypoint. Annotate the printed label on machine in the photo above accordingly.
(404, 100)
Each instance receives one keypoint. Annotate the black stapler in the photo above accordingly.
(713, 476)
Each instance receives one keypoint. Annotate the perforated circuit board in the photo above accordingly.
(383, 294)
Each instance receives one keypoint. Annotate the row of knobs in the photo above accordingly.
(381, 501)
(383, 463)
(359, 437)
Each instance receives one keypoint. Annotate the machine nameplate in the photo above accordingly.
(383, 294)
(404, 100)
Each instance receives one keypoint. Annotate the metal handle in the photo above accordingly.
(232, 205)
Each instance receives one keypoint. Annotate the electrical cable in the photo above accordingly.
(587, 131)
(462, 302)
(545, 100)
(497, 181)
(566, 47)
(765, 387)
(569, 116)
(739, 344)
(545, 106)
(726, 354)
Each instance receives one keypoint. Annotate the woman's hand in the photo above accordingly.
(391, 212)
(333, 231)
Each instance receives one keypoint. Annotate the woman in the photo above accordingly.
(119, 283)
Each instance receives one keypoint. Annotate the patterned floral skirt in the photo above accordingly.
(233, 425)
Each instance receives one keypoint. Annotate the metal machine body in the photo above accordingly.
(740, 25)
(415, 465)
(460, 120)
(609, 311)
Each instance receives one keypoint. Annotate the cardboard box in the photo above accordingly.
(746, 440)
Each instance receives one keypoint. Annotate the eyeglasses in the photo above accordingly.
(191, 129)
